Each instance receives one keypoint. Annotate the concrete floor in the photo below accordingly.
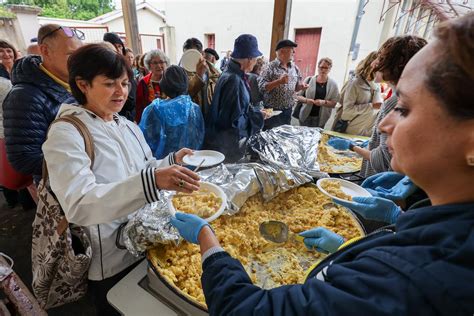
(15, 241)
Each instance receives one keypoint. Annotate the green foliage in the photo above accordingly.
(6, 14)
(70, 9)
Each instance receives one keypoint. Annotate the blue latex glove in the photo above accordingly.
(364, 144)
(322, 239)
(373, 208)
(384, 179)
(403, 189)
(390, 185)
(189, 226)
(340, 143)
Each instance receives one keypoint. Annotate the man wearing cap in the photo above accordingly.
(40, 86)
(128, 109)
(231, 120)
(202, 83)
(211, 56)
(279, 81)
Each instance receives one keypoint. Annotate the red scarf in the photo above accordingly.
(153, 88)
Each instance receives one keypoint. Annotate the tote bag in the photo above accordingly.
(61, 252)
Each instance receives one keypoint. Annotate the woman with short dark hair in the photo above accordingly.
(8, 55)
(124, 177)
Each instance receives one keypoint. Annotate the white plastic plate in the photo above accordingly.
(190, 59)
(212, 158)
(211, 187)
(347, 187)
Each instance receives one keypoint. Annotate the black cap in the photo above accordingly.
(174, 81)
(285, 43)
(114, 39)
(212, 52)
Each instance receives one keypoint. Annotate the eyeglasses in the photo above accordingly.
(326, 68)
(69, 32)
(154, 63)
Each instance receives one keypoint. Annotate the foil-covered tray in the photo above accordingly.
(305, 149)
(289, 147)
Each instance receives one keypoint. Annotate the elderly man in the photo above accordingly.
(231, 120)
(212, 56)
(279, 81)
(40, 86)
(202, 83)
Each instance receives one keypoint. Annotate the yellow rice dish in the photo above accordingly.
(266, 263)
(333, 162)
(334, 188)
(201, 203)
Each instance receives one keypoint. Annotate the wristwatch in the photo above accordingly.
(351, 146)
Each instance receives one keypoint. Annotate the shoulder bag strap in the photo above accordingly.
(89, 146)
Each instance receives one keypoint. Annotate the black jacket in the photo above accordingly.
(28, 109)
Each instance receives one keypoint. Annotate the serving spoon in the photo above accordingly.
(277, 232)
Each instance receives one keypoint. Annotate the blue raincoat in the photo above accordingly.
(169, 125)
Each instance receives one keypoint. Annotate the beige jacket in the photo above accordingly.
(357, 106)
(201, 92)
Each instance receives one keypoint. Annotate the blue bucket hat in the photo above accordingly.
(246, 46)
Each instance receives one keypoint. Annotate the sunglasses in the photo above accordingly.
(69, 32)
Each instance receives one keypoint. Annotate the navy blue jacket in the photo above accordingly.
(231, 119)
(28, 109)
(425, 268)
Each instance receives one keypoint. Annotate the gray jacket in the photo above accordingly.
(332, 94)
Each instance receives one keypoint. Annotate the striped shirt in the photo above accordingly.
(379, 155)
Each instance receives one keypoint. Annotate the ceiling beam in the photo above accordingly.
(129, 10)
(281, 23)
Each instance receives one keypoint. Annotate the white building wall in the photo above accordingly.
(29, 26)
(336, 18)
(227, 19)
(370, 31)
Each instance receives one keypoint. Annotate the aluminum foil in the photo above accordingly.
(290, 147)
(151, 224)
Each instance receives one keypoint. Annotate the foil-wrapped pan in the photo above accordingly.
(289, 147)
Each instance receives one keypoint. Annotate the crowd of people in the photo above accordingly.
(145, 115)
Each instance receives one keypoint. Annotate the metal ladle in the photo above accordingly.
(277, 232)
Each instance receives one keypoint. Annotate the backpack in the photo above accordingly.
(61, 252)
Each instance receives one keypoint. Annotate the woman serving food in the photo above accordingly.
(422, 267)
